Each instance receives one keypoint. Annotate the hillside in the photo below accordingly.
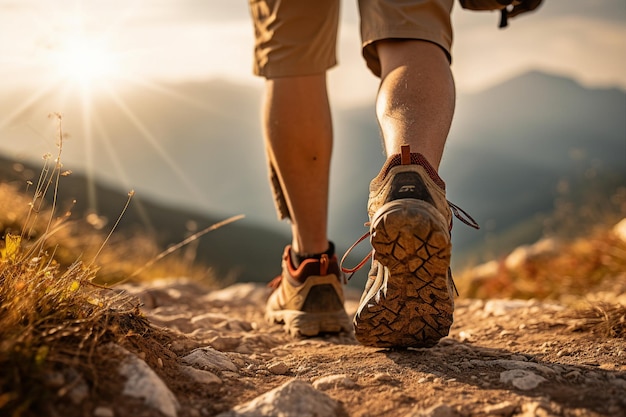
(540, 334)
(544, 139)
(516, 152)
(241, 251)
(192, 351)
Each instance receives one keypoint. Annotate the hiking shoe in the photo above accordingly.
(308, 300)
(408, 300)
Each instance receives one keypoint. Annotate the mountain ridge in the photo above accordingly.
(198, 147)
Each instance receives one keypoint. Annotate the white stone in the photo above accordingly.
(501, 409)
(142, 382)
(503, 307)
(333, 381)
(512, 364)
(200, 376)
(295, 398)
(383, 378)
(536, 409)
(207, 357)
(278, 368)
(438, 410)
(103, 412)
(619, 230)
(486, 270)
(520, 255)
(238, 292)
(208, 319)
(521, 379)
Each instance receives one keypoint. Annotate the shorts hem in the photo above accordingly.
(371, 55)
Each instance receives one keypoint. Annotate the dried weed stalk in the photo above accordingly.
(603, 319)
(53, 316)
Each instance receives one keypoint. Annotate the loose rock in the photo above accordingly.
(296, 398)
(333, 381)
(209, 358)
(502, 409)
(278, 368)
(142, 382)
(103, 412)
(439, 410)
(521, 379)
(200, 376)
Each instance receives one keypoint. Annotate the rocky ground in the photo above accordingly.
(502, 358)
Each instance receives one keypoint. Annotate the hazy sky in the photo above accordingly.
(100, 41)
(87, 50)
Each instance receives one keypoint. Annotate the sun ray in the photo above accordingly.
(121, 174)
(152, 140)
(80, 62)
(28, 102)
(173, 93)
(88, 139)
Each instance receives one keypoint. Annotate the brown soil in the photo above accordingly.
(583, 372)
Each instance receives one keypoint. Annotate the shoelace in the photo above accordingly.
(275, 283)
(458, 212)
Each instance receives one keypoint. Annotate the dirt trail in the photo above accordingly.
(505, 358)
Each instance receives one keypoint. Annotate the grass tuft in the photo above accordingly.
(604, 319)
(55, 314)
(575, 269)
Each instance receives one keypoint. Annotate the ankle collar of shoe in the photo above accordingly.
(298, 258)
(415, 159)
(326, 265)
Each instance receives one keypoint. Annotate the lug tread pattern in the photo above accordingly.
(413, 307)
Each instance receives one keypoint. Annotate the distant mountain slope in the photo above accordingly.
(509, 148)
(198, 147)
(242, 250)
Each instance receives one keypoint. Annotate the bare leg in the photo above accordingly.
(416, 98)
(409, 213)
(298, 136)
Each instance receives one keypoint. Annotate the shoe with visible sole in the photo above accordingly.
(309, 300)
(408, 300)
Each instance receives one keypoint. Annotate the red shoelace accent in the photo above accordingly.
(458, 212)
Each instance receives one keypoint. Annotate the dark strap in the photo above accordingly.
(518, 7)
(504, 18)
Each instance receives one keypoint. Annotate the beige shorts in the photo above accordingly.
(299, 37)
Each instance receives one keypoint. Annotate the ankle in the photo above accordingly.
(298, 258)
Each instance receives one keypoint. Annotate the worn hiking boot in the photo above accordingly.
(408, 300)
(309, 300)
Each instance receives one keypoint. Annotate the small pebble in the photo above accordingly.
(333, 381)
(103, 412)
(278, 368)
(383, 377)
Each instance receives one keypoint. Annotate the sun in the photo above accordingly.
(87, 62)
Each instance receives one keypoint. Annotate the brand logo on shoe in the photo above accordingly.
(407, 189)
(409, 185)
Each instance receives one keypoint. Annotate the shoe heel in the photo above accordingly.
(413, 307)
(408, 234)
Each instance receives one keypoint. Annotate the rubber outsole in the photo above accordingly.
(413, 306)
(305, 324)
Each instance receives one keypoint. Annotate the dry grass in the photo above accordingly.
(53, 316)
(576, 269)
(54, 313)
(586, 273)
(604, 319)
